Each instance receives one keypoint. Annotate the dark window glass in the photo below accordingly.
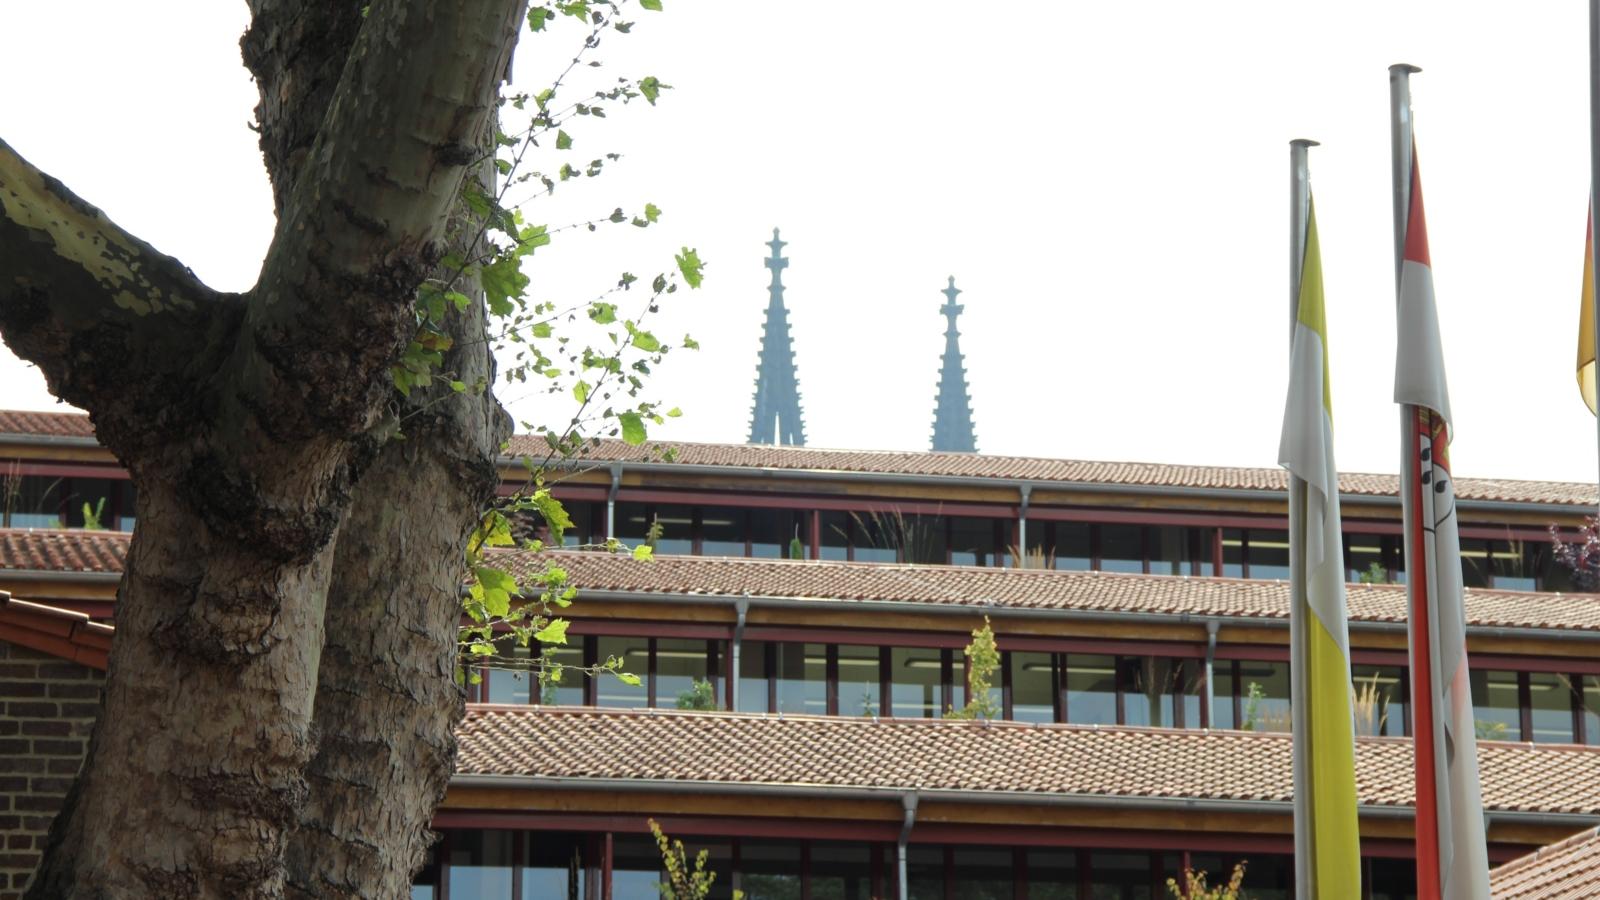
(860, 681)
(1052, 874)
(774, 533)
(841, 871)
(633, 520)
(97, 494)
(1091, 683)
(1496, 710)
(1264, 694)
(682, 677)
(480, 864)
(554, 865)
(1073, 549)
(1032, 698)
(583, 524)
(1120, 876)
(1269, 554)
(835, 535)
(983, 873)
(1392, 879)
(1172, 550)
(1591, 708)
(1121, 548)
(722, 531)
(677, 529)
(1362, 552)
(972, 542)
(1151, 686)
(633, 653)
(1380, 702)
(425, 884)
(508, 682)
(875, 537)
(1222, 711)
(1517, 564)
(802, 673)
(562, 684)
(1551, 698)
(753, 677)
(127, 510)
(1475, 562)
(770, 870)
(1269, 877)
(925, 873)
(37, 503)
(1233, 552)
(635, 868)
(916, 682)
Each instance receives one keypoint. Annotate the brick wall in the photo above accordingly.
(47, 708)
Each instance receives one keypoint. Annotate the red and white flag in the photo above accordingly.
(1452, 861)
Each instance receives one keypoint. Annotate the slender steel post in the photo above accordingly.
(1594, 170)
(1304, 864)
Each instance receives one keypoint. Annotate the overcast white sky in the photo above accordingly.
(1107, 182)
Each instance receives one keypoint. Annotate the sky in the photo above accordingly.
(1107, 182)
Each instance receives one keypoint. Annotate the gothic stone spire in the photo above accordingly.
(952, 410)
(776, 418)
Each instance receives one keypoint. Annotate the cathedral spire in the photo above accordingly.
(776, 418)
(952, 410)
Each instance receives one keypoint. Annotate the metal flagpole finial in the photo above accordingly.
(1404, 68)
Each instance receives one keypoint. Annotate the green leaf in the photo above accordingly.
(580, 391)
(652, 212)
(690, 265)
(537, 17)
(674, 413)
(627, 677)
(541, 329)
(651, 87)
(632, 428)
(654, 5)
(563, 140)
(644, 553)
(497, 587)
(554, 633)
(603, 313)
(644, 340)
(458, 386)
(690, 343)
(502, 281)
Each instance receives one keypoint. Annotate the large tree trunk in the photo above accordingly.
(245, 423)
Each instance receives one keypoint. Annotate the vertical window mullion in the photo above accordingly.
(650, 674)
(1525, 704)
(1058, 684)
(1216, 552)
(831, 673)
(770, 662)
(1238, 705)
(1118, 682)
(885, 683)
(1094, 547)
(1005, 684)
(1579, 729)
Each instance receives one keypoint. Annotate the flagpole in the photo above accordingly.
(1594, 178)
(1422, 690)
(1304, 865)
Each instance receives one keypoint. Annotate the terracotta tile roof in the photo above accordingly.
(45, 424)
(1035, 469)
(60, 632)
(46, 550)
(1031, 589)
(1568, 870)
(103, 551)
(1000, 757)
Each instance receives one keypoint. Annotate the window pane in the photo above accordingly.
(1120, 876)
(635, 868)
(583, 523)
(510, 683)
(916, 682)
(1091, 689)
(1380, 705)
(769, 870)
(1362, 552)
(128, 510)
(925, 873)
(1269, 877)
(480, 864)
(1072, 546)
(1222, 712)
(1495, 708)
(562, 686)
(554, 864)
(633, 521)
(1591, 709)
(1031, 687)
(835, 535)
(1149, 684)
(1269, 554)
(859, 681)
(983, 873)
(752, 691)
(722, 531)
(802, 673)
(37, 503)
(1121, 548)
(1264, 691)
(1052, 874)
(841, 871)
(1475, 564)
(1392, 879)
(1551, 698)
(634, 655)
(95, 493)
(677, 529)
(972, 542)
(892, 536)
(682, 681)
(1233, 552)
(774, 533)
(1172, 550)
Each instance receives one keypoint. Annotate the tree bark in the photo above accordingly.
(245, 423)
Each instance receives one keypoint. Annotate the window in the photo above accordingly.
(860, 680)
(554, 864)
(773, 533)
(1233, 552)
(1495, 707)
(722, 531)
(835, 535)
(1550, 699)
(1156, 692)
(1264, 695)
(801, 676)
(37, 503)
(1380, 700)
(1073, 546)
(633, 653)
(1174, 551)
(1122, 876)
(1269, 554)
(753, 677)
(1363, 552)
(982, 873)
(769, 870)
(917, 683)
(1052, 874)
(1121, 548)
(841, 871)
(1032, 686)
(1091, 687)
(1475, 562)
(480, 863)
(972, 542)
(679, 665)
(1589, 707)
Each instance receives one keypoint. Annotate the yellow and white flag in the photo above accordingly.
(1324, 741)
